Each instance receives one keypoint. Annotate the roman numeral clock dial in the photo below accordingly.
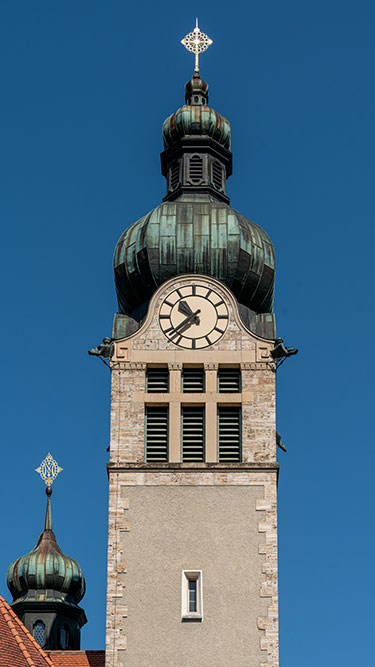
(193, 317)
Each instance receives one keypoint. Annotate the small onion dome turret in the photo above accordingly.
(46, 572)
(196, 119)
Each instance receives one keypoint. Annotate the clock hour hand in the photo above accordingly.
(187, 322)
(184, 308)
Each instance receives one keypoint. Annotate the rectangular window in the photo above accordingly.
(192, 595)
(229, 380)
(192, 601)
(193, 380)
(229, 433)
(157, 380)
(156, 438)
(193, 433)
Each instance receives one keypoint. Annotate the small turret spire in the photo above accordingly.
(48, 519)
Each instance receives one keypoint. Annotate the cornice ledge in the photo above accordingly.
(193, 467)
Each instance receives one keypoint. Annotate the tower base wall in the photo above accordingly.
(220, 523)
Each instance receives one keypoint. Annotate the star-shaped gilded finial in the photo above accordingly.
(48, 469)
(196, 42)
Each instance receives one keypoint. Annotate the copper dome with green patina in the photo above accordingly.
(196, 119)
(46, 572)
(195, 230)
(191, 235)
(193, 121)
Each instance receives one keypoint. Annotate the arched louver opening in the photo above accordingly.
(174, 178)
(217, 175)
(196, 169)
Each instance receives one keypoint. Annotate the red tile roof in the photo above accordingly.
(77, 658)
(17, 647)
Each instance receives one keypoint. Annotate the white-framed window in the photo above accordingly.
(192, 595)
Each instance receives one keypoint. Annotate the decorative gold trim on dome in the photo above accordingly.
(49, 469)
(196, 42)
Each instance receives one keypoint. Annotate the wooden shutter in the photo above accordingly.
(157, 380)
(193, 380)
(229, 380)
(156, 433)
(229, 433)
(193, 433)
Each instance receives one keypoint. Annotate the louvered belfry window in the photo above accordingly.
(229, 434)
(193, 380)
(157, 380)
(229, 380)
(193, 433)
(217, 175)
(174, 175)
(156, 433)
(195, 169)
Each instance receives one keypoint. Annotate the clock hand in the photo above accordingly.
(189, 320)
(184, 307)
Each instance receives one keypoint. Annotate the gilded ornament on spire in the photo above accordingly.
(49, 469)
(196, 42)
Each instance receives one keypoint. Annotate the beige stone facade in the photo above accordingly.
(219, 518)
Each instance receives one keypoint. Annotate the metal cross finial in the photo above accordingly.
(48, 469)
(196, 42)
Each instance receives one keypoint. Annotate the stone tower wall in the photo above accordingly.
(167, 517)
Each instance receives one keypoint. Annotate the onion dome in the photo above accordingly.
(191, 235)
(195, 230)
(46, 572)
(196, 118)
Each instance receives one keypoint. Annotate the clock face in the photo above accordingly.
(193, 317)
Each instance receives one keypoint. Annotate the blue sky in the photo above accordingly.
(85, 88)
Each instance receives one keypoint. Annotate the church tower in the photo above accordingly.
(192, 549)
